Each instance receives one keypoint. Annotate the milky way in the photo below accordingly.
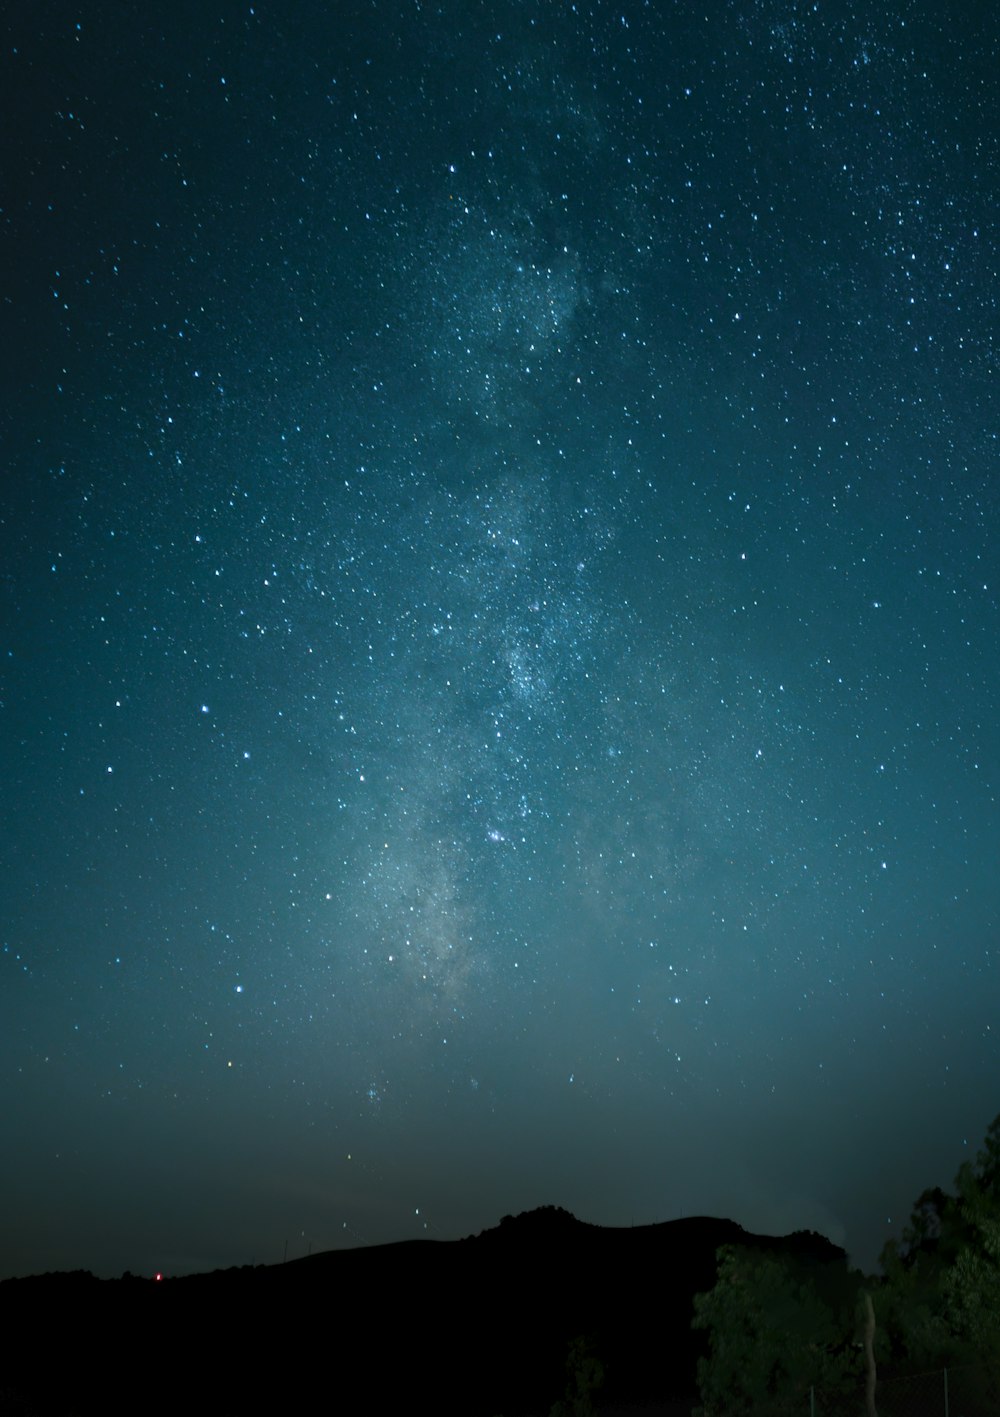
(499, 686)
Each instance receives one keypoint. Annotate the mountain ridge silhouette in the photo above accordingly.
(476, 1325)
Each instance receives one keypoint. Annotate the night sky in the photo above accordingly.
(499, 619)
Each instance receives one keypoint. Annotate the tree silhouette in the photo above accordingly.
(777, 1326)
(584, 1377)
(939, 1301)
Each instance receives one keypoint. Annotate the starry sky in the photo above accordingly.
(499, 626)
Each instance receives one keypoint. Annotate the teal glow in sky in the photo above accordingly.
(499, 676)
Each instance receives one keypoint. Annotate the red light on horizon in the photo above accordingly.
(157, 1276)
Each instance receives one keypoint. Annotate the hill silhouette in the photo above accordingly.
(478, 1325)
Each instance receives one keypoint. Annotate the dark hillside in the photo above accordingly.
(480, 1325)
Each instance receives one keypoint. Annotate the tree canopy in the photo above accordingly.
(939, 1300)
(779, 1323)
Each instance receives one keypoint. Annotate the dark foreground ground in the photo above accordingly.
(476, 1326)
